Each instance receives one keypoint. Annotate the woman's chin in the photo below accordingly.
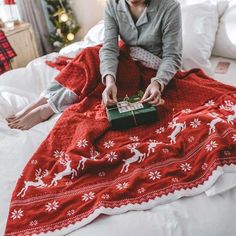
(135, 2)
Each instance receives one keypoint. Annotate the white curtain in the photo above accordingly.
(32, 11)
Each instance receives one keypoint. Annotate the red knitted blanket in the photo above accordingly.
(84, 169)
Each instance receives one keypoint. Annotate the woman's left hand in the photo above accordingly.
(152, 94)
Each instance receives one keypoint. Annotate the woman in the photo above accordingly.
(153, 26)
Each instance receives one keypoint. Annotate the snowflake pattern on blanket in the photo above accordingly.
(84, 169)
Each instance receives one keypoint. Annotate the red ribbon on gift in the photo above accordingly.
(9, 2)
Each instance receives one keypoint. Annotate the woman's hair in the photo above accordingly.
(146, 1)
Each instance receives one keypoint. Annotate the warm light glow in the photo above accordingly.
(102, 2)
(70, 36)
(64, 17)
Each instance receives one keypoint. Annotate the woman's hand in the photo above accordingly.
(152, 94)
(109, 95)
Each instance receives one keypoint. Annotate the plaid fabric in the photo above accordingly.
(6, 53)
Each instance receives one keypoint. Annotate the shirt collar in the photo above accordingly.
(152, 7)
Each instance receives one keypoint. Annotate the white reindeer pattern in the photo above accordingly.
(37, 184)
(137, 157)
(68, 171)
(214, 122)
(93, 155)
(151, 146)
(81, 163)
(229, 106)
(178, 128)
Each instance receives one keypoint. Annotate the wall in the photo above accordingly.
(88, 13)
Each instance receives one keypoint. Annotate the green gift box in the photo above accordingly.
(129, 113)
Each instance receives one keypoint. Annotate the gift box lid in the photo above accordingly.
(130, 112)
(113, 112)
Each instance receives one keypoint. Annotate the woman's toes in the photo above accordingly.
(14, 124)
(10, 118)
(11, 126)
(20, 127)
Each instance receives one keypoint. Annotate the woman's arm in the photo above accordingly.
(110, 51)
(172, 45)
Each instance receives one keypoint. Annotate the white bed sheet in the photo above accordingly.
(198, 215)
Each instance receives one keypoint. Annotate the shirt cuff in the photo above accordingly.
(159, 81)
(107, 73)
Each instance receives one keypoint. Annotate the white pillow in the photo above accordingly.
(94, 36)
(73, 49)
(96, 33)
(222, 6)
(200, 22)
(225, 44)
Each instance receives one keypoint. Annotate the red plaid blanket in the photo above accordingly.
(6, 53)
(84, 169)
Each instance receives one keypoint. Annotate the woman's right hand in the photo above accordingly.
(109, 95)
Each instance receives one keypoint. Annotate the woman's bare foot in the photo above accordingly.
(32, 118)
(27, 109)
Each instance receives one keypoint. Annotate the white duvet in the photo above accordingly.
(201, 215)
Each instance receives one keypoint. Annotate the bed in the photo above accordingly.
(209, 213)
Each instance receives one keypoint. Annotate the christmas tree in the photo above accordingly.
(63, 20)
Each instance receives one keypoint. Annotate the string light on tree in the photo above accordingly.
(63, 20)
(70, 36)
(64, 17)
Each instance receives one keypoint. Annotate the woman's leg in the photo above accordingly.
(55, 99)
(33, 117)
(40, 101)
(47, 93)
